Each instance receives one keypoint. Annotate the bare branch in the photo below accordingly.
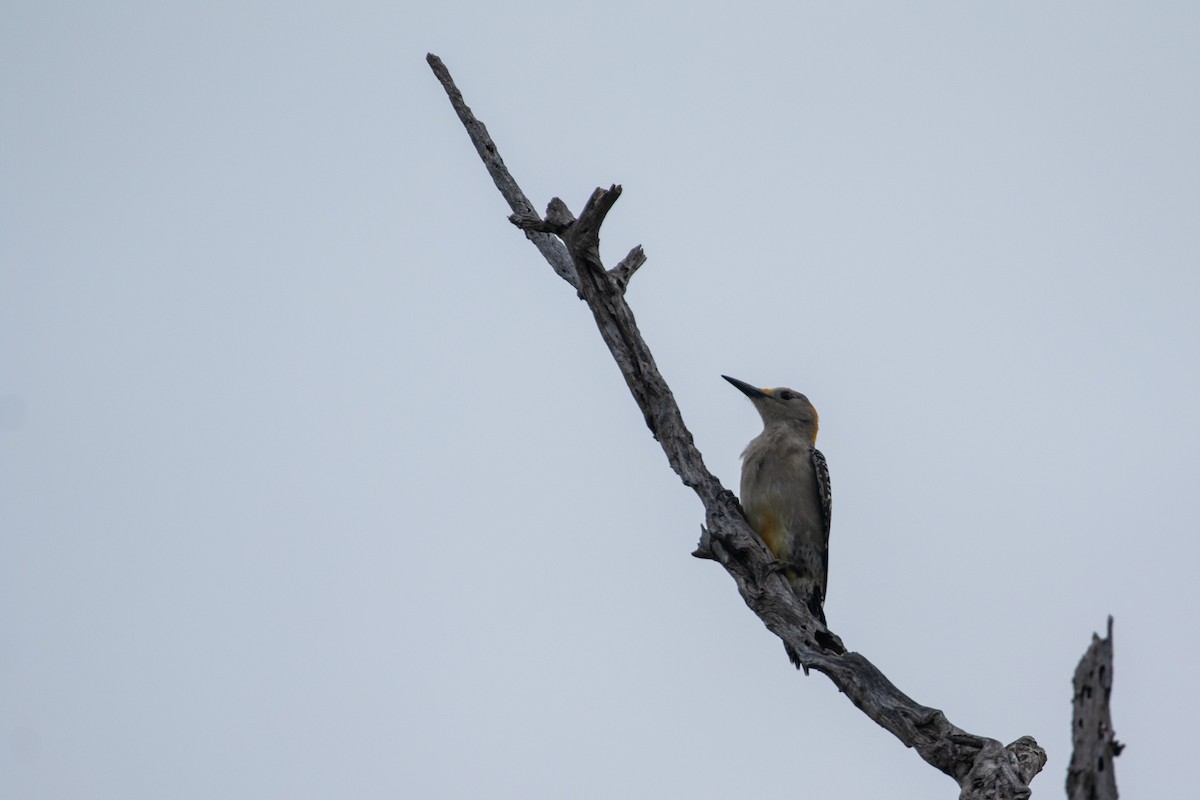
(999, 769)
(559, 215)
(983, 767)
(1030, 757)
(1091, 775)
(536, 224)
(622, 273)
(551, 248)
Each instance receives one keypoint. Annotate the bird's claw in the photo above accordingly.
(778, 567)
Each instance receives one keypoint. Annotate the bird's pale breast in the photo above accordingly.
(782, 502)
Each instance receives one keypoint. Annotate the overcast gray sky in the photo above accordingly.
(316, 481)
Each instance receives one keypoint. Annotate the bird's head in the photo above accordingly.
(781, 406)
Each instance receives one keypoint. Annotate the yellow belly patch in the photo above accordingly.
(771, 531)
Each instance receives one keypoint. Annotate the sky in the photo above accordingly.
(315, 480)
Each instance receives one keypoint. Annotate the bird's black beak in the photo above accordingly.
(747, 389)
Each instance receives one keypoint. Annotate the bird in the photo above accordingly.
(785, 490)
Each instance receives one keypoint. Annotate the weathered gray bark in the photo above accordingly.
(983, 767)
(1091, 775)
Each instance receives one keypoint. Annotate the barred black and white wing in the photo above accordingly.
(821, 469)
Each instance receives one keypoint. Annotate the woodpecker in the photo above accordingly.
(785, 490)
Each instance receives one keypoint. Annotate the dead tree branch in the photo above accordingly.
(1091, 775)
(551, 248)
(982, 767)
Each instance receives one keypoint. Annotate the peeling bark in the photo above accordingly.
(983, 767)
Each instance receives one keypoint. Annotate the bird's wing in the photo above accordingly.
(821, 468)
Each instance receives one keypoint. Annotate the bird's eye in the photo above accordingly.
(786, 395)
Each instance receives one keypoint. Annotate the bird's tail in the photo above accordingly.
(816, 603)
